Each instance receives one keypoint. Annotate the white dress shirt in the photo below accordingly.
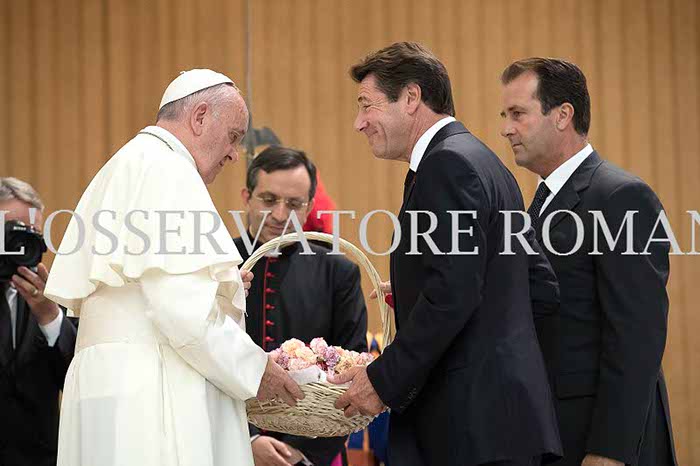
(424, 140)
(561, 175)
(51, 330)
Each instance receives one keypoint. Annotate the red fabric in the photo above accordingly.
(389, 299)
(322, 201)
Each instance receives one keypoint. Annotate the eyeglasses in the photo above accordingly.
(270, 201)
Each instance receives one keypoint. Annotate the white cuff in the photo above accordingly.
(53, 329)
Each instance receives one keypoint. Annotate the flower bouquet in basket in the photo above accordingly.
(315, 415)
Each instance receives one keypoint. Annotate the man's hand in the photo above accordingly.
(384, 286)
(247, 277)
(276, 383)
(596, 460)
(31, 286)
(360, 397)
(268, 451)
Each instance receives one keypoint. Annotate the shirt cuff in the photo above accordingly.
(53, 329)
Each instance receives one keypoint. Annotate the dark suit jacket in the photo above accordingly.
(306, 296)
(604, 348)
(465, 378)
(29, 386)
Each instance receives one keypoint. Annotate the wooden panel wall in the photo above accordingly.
(80, 77)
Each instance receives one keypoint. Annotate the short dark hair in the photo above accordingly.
(559, 81)
(276, 158)
(403, 63)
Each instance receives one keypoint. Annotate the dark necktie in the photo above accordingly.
(408, 183)
(5, 323)
(536, 207)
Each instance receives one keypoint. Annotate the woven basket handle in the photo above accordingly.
(290, 238)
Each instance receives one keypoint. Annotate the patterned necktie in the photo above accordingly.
(5, 323)
(536, 207)
(408, 183)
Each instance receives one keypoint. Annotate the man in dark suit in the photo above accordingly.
(464, 378)
(604, 348)
(36, 347)
(295, 295)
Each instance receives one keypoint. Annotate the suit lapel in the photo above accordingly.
(569, 195)
(445, 132)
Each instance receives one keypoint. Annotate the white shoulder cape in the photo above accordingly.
(147, 208)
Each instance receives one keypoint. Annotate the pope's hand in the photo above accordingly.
(360, 397)
(247, 277)
(276, 383)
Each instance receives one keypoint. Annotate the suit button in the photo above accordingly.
(269, 323)
(270, 275)
(269, 307)
(269, 339)
(270, 291)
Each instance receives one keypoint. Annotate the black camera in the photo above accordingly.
(18, 236)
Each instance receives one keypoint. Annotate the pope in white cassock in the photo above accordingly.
(163, 363)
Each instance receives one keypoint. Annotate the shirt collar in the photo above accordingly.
(556, 180)
(172, 141)
(422, 144)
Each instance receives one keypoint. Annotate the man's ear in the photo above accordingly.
(307, 210)
(245, 196)
(197, 118)
(565, 116)
(412, 94)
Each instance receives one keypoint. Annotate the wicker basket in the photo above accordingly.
(315, 415)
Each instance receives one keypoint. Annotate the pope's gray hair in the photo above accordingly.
(15, 189)
(214, 96)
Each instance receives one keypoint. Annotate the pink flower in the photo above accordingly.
(291, 346)
(307, 355)
(344, 364)
(318, 345)
(283, 360)
(297, 364)
(364, 359)
(331, 356)
(275, 354)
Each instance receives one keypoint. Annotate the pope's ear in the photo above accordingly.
(197, 118)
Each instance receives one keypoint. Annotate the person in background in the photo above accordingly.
(604, 348)
(36, 348)
(464, 377)
(295, 295)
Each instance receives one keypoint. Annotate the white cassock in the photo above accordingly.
(163, 363)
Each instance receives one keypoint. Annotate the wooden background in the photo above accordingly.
(79, 77)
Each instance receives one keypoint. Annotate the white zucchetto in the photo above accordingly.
(190, 82)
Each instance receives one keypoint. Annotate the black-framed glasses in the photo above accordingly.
(270, 201)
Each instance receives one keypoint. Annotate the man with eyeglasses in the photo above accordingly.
(295, 295)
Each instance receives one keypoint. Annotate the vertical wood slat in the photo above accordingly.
(664, 149)
(94, 132)
(69, 119)
(686, 84)
(44, 65)
(6, 74)
(21, 100)
(637, 91)
(119, 72)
